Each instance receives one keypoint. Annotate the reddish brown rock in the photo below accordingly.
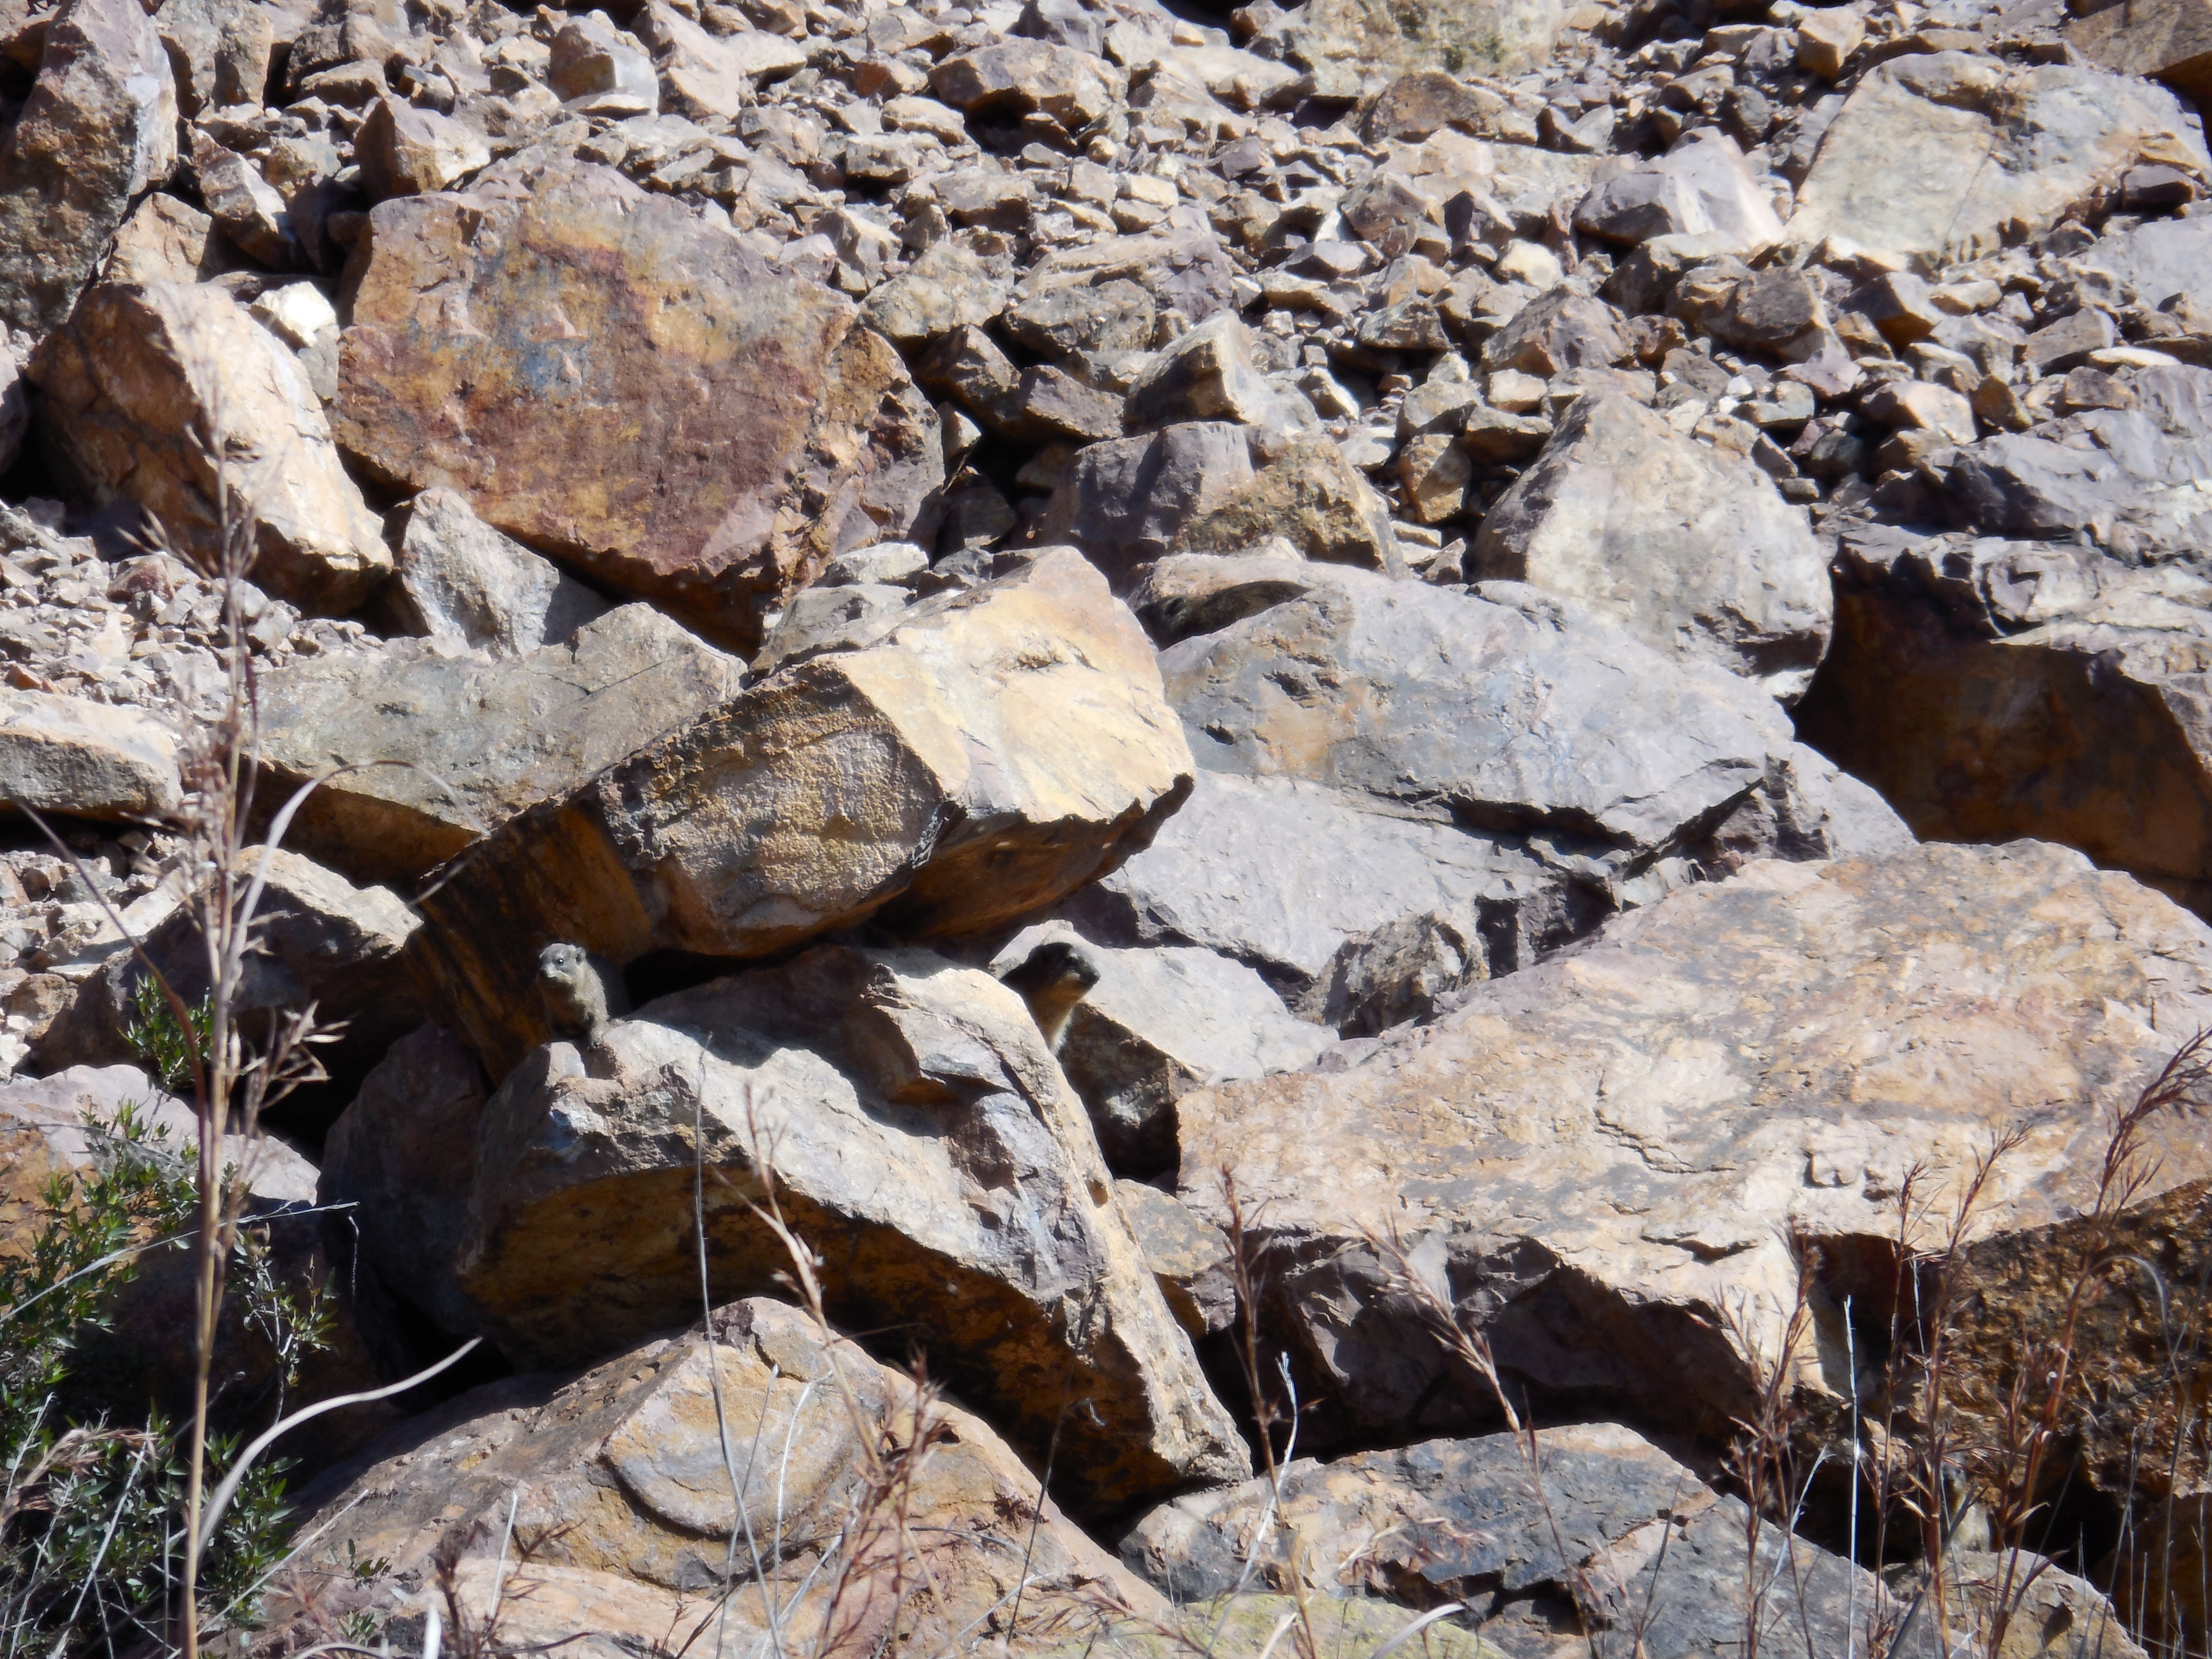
(610, 378)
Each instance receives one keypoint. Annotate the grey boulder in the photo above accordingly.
(1689, 548)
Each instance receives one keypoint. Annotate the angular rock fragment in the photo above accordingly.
(1283, 875)
(948, 288)
(1493, 37)
(709, 448)
(922, 1141)
(406, 151)
(1014, 77)
(2170, 42)
(2125, 477)
(1189, 1259)
(460, 579)
(1534, 1558)
(99, 130)
(407, 1141)
(219, 52)
(1993, 689)
(1702, 187)
(320, 940)
(1686, 1070)
(1313, 499)
(1893, 172)
(85, 759)
(481, 737)
(623, 1472)
(244, 207)
(1690, 548)
(131, 387)
(1128, 501)
(998, 748)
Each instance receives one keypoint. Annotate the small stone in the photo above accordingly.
(1827, 36)
(1435, 472)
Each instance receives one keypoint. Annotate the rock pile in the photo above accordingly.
(1198, 684)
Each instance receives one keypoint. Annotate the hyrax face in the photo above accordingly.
(562, 962)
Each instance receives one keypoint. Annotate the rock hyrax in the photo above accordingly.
(1051, 979)
(579, 994)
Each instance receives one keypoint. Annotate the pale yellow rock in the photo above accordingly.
(1949, 156)
(88, 759)
(996, 750)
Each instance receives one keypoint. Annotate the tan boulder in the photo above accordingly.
(482, 737)
(613, 380)
(1948, 155)
(99, 130)
(918, 1136)
(1602, 1158)
(998, 750)
(618, 1482)
(86, 759)
(131, 387)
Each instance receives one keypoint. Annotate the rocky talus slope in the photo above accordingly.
(1389, 719)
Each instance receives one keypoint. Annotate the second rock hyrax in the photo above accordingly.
(579, 995)
(1051, 979)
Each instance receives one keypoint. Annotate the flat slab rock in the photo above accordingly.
(622, 1472)
(61, 754)
(1528, 716)
(998, 748)
(610, 378)
(1934, 154)
(480, 738)
(1601, 1154)
(919, 1139)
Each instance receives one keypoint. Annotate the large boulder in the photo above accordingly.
(84, 759)
(1946, 155)
(1492, 37)
(479, 738)
(99, 130)
(612, 1493)
(1612, 1164)
(1531, 716)
(917, 1134)
(1992, 689)
(133, 392)
(1689, 548)
(705, 440)
(1559, 1559)
(998, 748)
